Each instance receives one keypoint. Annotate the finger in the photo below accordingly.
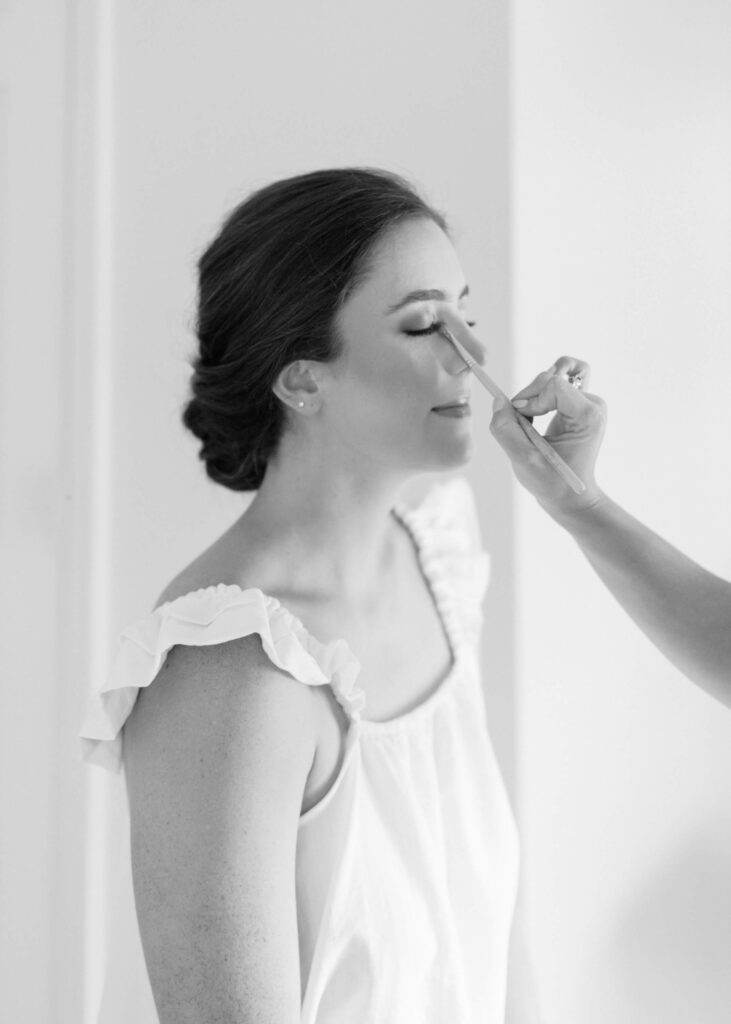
(591, 421)
(536, 385)
(463, 333)
(565, 366)
(510, 435)
(568, 366)
(556, 396)
(596, 400)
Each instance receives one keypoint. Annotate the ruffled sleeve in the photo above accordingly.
(212, 615)
(446, 528)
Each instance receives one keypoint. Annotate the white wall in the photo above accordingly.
(41, 786)
(622, 218)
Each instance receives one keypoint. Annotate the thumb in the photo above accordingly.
(508, 432)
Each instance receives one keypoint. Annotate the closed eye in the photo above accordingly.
(434, 327)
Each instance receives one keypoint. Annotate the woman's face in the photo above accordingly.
(382, 395)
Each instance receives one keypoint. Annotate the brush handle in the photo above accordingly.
(550, 455)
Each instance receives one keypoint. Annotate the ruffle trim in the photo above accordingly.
(446, 529)
(212, 615)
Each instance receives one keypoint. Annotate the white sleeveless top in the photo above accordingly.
(406, 870)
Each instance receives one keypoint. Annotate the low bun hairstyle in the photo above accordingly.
(270, 285)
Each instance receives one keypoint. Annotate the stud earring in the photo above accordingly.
(301, 405)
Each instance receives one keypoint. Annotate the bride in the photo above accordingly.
(319, 830)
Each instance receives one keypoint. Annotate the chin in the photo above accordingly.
(452, 456)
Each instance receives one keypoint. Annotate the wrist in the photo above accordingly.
(582, 514)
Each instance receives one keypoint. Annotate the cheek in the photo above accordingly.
(392, 375)
(408, 373)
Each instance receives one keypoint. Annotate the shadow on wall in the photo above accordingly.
(669, 959)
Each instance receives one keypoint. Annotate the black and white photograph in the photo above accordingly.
(365, 512)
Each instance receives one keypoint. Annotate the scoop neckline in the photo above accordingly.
(421, 710)
(402, 515)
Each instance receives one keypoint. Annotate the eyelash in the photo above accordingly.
(433, 328)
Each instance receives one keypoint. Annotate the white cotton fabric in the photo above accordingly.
(406, 871)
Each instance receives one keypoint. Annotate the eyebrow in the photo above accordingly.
(423, 296)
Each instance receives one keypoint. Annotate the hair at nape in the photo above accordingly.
(269, 287)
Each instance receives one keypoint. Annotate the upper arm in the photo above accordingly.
(217, 752)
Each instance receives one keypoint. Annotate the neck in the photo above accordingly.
(329, 524)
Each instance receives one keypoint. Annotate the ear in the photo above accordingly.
(297, 386)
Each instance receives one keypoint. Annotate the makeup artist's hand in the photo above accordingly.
(680, 606)
(575, 432)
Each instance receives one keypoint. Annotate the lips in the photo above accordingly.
(459, 403)
(459, 409)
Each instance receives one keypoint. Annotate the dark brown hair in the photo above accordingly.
(270, 285)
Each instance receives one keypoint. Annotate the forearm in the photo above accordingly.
(683, 609)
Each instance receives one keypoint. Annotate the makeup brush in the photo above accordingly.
(565, 472)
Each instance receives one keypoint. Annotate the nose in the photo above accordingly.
(448, 357)
(464, 334)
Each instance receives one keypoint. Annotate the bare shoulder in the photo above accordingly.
(225, 707)
(207, 570)
(232, 558)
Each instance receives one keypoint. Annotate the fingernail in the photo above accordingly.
(498, 404)
(520, 403)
